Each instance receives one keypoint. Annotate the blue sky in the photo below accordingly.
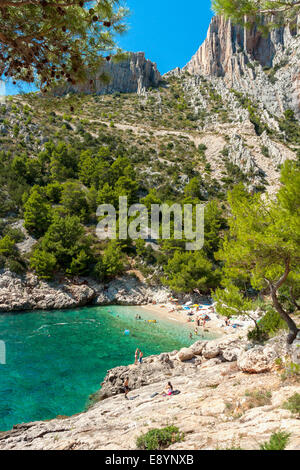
(168, 31)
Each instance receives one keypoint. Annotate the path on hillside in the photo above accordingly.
(215, 142)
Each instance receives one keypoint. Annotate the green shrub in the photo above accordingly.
(158, 439)
(43, 263)
(258, 398)
(270, 324)
(15, 234)
(110, 264)
(293, 404)
(291, 371)
(278, 441)
(7, 246)
(257, 335)
(15, 266)
(2, 261)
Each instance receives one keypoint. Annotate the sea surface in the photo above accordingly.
(56, 360)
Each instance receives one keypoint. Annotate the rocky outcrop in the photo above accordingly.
(266, 68)
(235, 349)
(216, 407)
(276, 152)
(257, 360)
(29, 293)
(131, 75)
(227, 349)
(240, 155)
(228, 48)
(252, 359)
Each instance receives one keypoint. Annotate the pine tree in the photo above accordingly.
(262, 250)
(52, 40)
(266, 14)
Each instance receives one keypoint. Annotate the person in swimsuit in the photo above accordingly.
(126, 387)
(136, 356)
(168, 390)
(141, 357)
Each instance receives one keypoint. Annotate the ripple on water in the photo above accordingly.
(56, 359)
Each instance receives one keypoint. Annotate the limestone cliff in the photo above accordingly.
(266, 67)
(132, 75)
(27, 292)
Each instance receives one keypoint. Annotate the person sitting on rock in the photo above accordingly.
(168, 390)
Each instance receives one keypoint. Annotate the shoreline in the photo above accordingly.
(163, 311)
(217, 384)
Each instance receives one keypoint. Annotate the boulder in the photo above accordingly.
(211, 350)
(257, 360)
(228, 348)
(185, 354)
(232, 353)
(164, 357)
(198, 347)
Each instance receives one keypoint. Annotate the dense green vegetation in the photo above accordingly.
(62, 164)
(57, 186)
(261, 251)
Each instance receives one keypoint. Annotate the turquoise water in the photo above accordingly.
(55, 360)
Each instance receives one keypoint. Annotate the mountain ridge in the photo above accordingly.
(243, 58)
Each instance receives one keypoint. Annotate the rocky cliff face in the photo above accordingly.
(132, 75)
(27, 292)
(267, 68)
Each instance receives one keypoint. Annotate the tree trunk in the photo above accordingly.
(285, 316)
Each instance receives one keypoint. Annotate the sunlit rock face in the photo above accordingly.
(132, 75)
(242, 58)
